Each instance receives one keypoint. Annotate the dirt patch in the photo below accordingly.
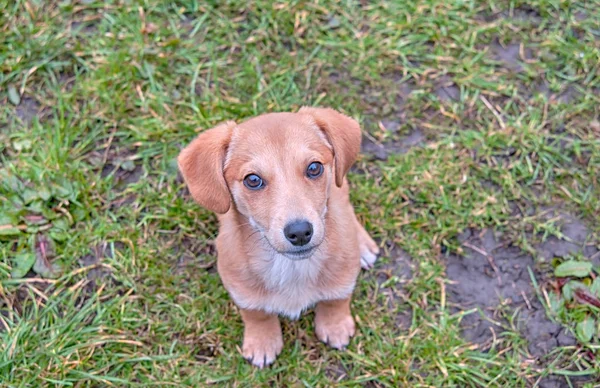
(124, 173)
(391, 277)
(122, 163)
(123, 201)
(403, 94)
(27, 110)
(204, 346)
(66, 81)
(89, 27)
(511, 56)
(576, 238)
(22, 299)
(446, 90)
(523, 14)
(336, 371)
(566, 95)
(381, 151)
(493, 276)
(502, 157)
(193, 254)
(99, 273)
(563, 381)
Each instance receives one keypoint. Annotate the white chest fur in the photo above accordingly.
(291, 287)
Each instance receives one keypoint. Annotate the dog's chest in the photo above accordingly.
(292, 287)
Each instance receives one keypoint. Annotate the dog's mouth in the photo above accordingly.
(299, 254)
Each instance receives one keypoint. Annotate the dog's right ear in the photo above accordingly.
(201, 164)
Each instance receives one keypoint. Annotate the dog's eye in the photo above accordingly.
(314, 170)
(253, 182)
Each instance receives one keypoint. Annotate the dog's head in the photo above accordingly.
(277, 170)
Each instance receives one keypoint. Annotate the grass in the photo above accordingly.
(97, 98)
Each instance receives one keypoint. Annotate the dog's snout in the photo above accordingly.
(298, 233)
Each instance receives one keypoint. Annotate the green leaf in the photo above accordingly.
(37, 207)
(22, 265)
(63, 189)
(128, 165)
(22, 145)
(51, 271)
(556, 303)
(44, 253)
(44, 193)
(80, 214)
(570, 287)
(61, 192)
(29, 195)
(9, 230)
(60, 225)
(585, 329)
(573, 268)
(595, 288)
(13, 96)
(11, 182)
(58, 235)
(15, 201)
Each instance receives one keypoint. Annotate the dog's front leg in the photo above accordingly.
(334, 323)
(262, 337)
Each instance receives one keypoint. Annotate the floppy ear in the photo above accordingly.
(201, 164)
(344, 135)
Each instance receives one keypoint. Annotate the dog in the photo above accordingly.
(288, 235)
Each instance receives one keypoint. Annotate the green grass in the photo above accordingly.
(108, 92)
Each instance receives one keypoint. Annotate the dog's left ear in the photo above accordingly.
(344, 135)
(201, 164)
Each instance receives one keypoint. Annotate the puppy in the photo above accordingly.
(288, 236)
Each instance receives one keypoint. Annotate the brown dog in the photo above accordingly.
(288, 236)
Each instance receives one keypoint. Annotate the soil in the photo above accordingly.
(509, 55)
(27, 110)
(490, 273)
(99, 274)
(565, 96)
(576, 239)
(193, 254)
(522, 14)
(335, 371)
(493, 276)
(118, 163)
(401, 267)
(381, 151)
(561, 382)
(446, 90)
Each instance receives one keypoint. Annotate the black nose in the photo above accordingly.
(298, 232)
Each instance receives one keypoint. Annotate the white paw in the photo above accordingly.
(369, 251)
(367, 259)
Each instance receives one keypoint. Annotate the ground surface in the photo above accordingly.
(479, 177)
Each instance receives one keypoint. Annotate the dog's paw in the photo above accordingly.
(262, 350)
(367, 259)
(369, 251)
(336, 334)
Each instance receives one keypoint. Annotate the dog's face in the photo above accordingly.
(277, 170)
